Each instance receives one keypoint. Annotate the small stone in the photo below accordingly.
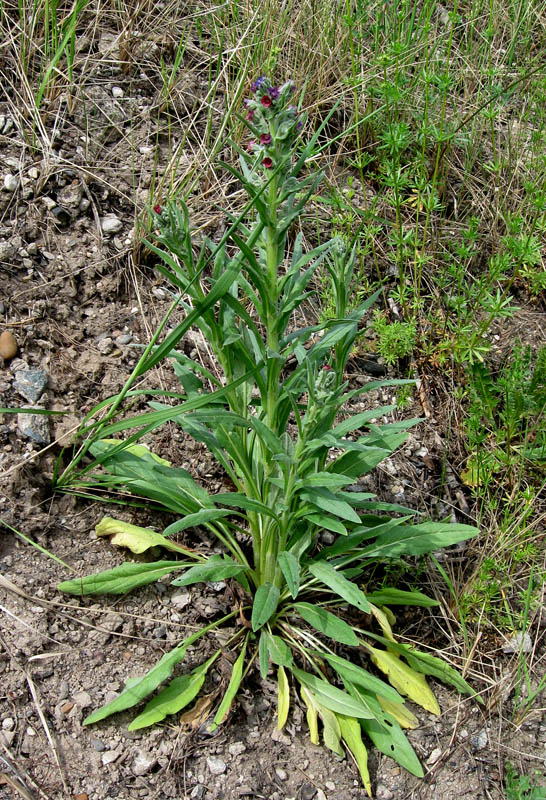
(110, 756)
(8, 724)
(434, 756)
(8, 345)
(281, 773)
(382, 793)
(66, 707)
(282, 738)
(327, 538)
(217, 766)
(117, 91)
(30, 383)
(10, 182)
(63, 690)
(236, 749)
(111, 224)
(34, 173)
(125, 338)
(480, 741)
(520, 642)
(180, 599)
(320, 795)
(330, 785)
(216, 586)
(83, 699)
(81, 796)
(422, 452)
(34, 427)
(197, 792)
(70, 195)
(105, 346)
(7, 737)
(143, 763)
(99, 746)
(8, 125)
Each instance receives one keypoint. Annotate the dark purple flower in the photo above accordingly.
(265, 138)
(274, 92)
(257, 83)
(266, 100)
(267, 162)
(327, 368)
(250, 115)
(157, 209)
(250, 146)
(299, 126)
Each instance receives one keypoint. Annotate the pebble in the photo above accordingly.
(143, 763)
(34, 427)
(217, 766)
(125, 338)
(282, 738)
(320, 795)
(30, 383)
(10, 182)
(63, 690)
(8, 724)
(327, 538)
(8, 345)
(67, 707)
(180, 599)
(7, 737)
(198, 791)
(34, 173)
(70, 195)
(99, 746)
(111, 224)
(117, 91)
(281, 773)
(520, 642)
(236, 749)
(382, 793)
(83, 699)
(480, 741)
(330, 785)
(216, 586)
(434, 756)
(110, 756)
(105, 346)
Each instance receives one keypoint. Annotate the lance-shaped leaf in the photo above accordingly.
(120, 580)
(137, 539)
(232, 689)
(199, 518)
(352, 736)
(349, 591)
(404, 679)
(389, 596)
(312, 715)
(360, 677)
(279, 652)
(400, 712)
(331, 697)
(176, 696)
(140, 450)
(327, 500)
(215, 568)
(327, 623)
(266, 600)
(418, 539)
(263, 654)
(290, 568)
(283, 698)
(140, 688)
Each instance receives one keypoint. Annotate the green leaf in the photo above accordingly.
(327, 623)
(290, 568)
(216, 568)
(404, 679)
(283, 698)
(312, 714)
(176, 696)
(326, 573)
(325, 499)
(263, 654)
(120, 580)
(358, 420)
(266, 600)
(279, 651)
(331, 732)
(331, 697)
(326, 479)
(398, 597)
(232, 689)
(415, 540)
(352, 736)
(199, 518)
(241, 501)
(330, 523)
(142, 687)
(360, 677)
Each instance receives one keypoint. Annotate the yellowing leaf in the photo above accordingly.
(400, 712)
(383, 620)
(404, 679)
(137, 539)
(312, 716)
(332, 732)
(283, 698)
(352, 736)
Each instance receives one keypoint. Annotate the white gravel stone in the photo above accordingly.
(143, 763)
(236, 749)
(281, 773)
(8, 724)
(117, 91)
(519, 642)
(217, 766)
(434, 756)
(83, 699)
(10, 182)
(111, 224)
(180, 599)
(110, 756)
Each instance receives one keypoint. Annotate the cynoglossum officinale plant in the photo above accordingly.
(267, 409)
